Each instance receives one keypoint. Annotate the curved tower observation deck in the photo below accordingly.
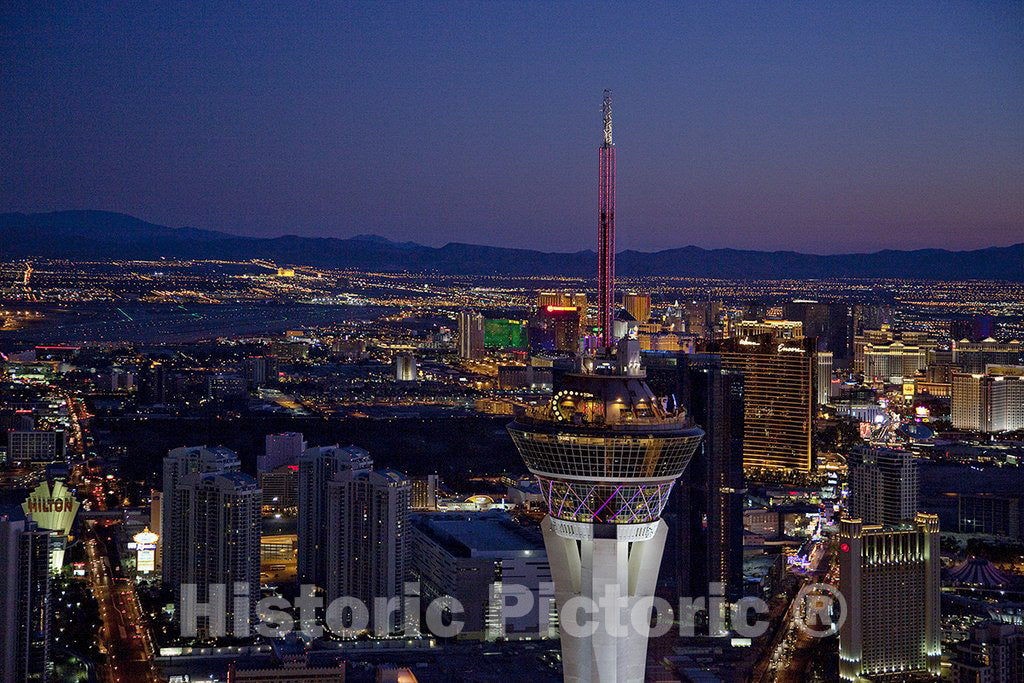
(606, 453)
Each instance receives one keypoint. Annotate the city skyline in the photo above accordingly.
(809, 129)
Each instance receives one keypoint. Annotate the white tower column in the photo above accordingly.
(607, 647)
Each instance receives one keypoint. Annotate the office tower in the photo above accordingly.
(423, 493)
(34, 446)
(316, 467)
(24, 598)
(823, 378)
(220, 516)
(555, 328)
(992, 653)
(471, 334)
(708, 502)
(606, 228)
(281, 449)
(889, 577)
(638, 306)
(829, 323)
(606, 454)
(993, 515)
(178, 464)
(472, 556)
(261, 370)
(366, 541)
(783, 329)
(883, 485)
(779, 394)
(405, 367)
(987, 403)
(975, 356)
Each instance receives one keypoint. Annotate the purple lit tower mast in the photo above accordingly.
(606, 229)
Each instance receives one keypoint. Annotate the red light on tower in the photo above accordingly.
(845, 547)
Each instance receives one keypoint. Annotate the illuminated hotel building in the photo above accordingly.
(606, 454)
(471, 335)
(974, 356)
(638, 306)
(885, 353)
(25, 601)
(784, 329)
(883, 485)
(778, 398)
(987, 403)
(889, 577)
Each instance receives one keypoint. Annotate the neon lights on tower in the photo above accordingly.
(606, 229)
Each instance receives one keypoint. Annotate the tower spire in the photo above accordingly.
(606, 227)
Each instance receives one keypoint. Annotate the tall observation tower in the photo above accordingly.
(606, 453)
(606, 227)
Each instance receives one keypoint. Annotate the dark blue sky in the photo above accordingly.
(801, 126)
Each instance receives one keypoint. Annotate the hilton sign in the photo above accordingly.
(53, 510)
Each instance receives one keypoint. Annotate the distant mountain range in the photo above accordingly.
(89, 235)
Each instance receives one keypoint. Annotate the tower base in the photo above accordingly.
(599, 581)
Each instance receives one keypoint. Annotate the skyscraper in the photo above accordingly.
(606, 453)
(24, 598)
(987, 402)
(367, 541)
(178, 464)
(638, 306)
(281, 449)
(883, 485)
(317, 466)
(823, 378)
(829, 323)
(471, 334)
(606, 227)
(221, 519)
(889, 577)
(778, 398)
(708, 502)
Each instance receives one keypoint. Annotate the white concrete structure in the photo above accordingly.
(606, 453)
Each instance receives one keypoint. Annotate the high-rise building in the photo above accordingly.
(25, 620)
(883, 485)
(555, 328)
(367, 541)
(993, 515)
(405, 367)
(823, 378)
(987, 403)
(783, 329)
(545, 299)
(35, 446)
(220, 515)
(778, 398)
(280, 487)
(890, 355)
(423, 493)
(606, 454)
(156, 505)
(178, 464)
(637, 305)
(973, 357)
(829, 323)
(281, 449)
(153, 387)
(992, 653)
(316, 467)
(707, 537)
(889, 577)
(974, 329)
(261, 370)
(471, 334)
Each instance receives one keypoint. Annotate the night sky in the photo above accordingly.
(795, 126)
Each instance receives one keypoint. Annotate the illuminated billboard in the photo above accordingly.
(54, 510)
(145, 551)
